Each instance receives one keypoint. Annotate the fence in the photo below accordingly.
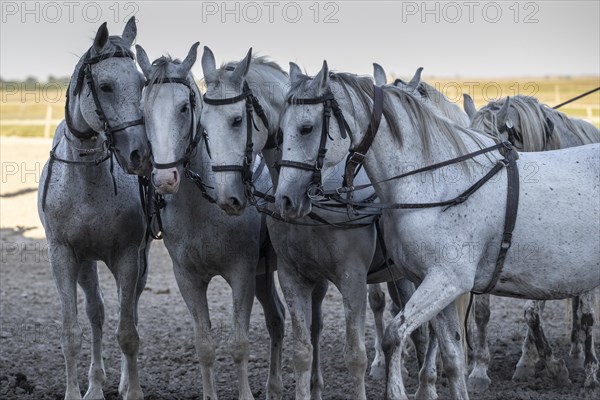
(592, 114)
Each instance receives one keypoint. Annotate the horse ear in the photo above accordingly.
(322, 78)
(379, 75)
(130, 32)
(295, 72)
(101, 38)
(143, 61)
(469, 106)
(190, 59)
(414, 82)
(239, 73)
(209, 65)
(503, 113)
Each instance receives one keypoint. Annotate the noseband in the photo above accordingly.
(85, 72)
(315, 190)
(252, 105)
(194, 137)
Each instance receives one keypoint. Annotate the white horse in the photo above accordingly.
(309, 256)
(90, 208)
(533, 126)
(201, 239)
(559, 212)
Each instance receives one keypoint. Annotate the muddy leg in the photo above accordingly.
(377, 304)
(479, 381)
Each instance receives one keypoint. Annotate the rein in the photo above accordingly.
(356, 159)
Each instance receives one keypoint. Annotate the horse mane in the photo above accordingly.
(533, 124)
(445, 106)
(430, 125)
(361, 85)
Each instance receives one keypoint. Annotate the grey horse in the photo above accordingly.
(90, 207)
(202, 240)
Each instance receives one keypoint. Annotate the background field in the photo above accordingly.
(35, 110)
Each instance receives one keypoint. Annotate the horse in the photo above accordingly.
(90, 208)
(306, 263)
(560, 208)
(202, 240)
(535, 127)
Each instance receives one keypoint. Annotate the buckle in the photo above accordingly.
(356, 157)
(505, 245)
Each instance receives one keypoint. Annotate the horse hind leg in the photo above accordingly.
(65, 269)
(479, 381)
(88, 280)
(536, 341)
(266, 294)
(577, 351)
(586, 309)
(377, 304)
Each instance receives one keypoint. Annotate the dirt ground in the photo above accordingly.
(31, 361)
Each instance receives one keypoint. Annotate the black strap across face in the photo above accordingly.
(194, 137)
(329, 105)
(252, 105)
(85, 73)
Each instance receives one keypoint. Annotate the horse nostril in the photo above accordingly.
(135, 158)
(235, 202)
(175, 175)
(287, 202)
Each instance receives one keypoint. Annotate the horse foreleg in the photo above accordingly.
(586, 308)
(428, 371)
(127, 271)
(65, 269)
(266, 294)
(88, 280)
(193, 290)
(421, 307)
(316, 376)
(297, 292)
(355, 355)
(242, 291)
(377, 304)
(479, 381)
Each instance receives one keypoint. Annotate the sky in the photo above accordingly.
(451, 39)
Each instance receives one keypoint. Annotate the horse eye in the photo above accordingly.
(306, 129)
(184, 108)
(106, 88)
(237, 121)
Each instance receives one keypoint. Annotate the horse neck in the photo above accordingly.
(388, 158)
(570, 133)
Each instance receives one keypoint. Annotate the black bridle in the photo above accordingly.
(194, 138)
(514, 135)
(252, 105)
(85, 73)
(315, 190)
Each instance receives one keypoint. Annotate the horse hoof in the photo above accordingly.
(377, 372)
(478, 384)
(94, 394)
(428, 393)
(523, 373)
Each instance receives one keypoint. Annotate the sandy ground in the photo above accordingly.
(31, 362)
